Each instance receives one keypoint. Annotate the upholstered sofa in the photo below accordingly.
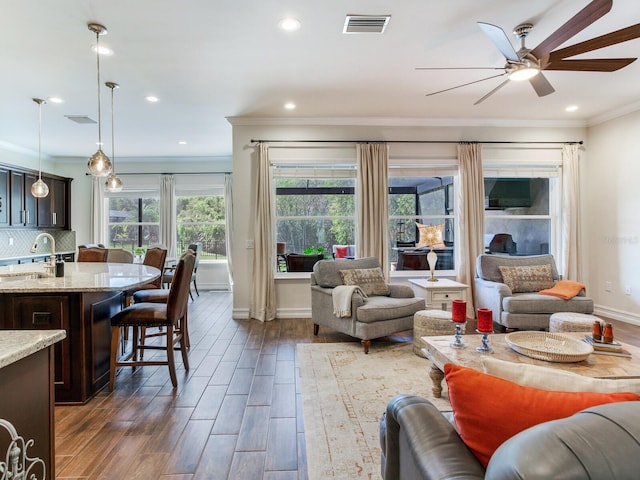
(603, 442)
(521, 311)
(372, 317)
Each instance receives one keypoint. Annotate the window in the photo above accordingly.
(519, 216)
(315, 208)
(425, 200)
(202, 219)
(134, 221)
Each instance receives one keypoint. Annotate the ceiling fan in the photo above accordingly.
(528, 64)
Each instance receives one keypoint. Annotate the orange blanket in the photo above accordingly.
(566, 289)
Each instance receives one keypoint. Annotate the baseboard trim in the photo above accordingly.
(243, 313)
(616, 314)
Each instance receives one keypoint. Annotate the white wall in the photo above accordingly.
(612, 220)
(293, 296)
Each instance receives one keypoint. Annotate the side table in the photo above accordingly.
(438, 294)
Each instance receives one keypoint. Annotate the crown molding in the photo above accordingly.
(613, 114)
(405, 122)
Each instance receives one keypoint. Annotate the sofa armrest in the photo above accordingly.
(399, 290)
(490, 294)
(325, 294)
(419, 442)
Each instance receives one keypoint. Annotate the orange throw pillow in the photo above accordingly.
(489, 410)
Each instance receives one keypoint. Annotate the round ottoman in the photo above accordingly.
(571, 322)
(431, 323)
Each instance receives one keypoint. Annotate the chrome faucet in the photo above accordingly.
(34, 248)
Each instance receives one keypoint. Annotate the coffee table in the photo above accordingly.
(598, 366)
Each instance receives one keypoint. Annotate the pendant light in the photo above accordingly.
(39, 189)
(99, 164)
(113, 183)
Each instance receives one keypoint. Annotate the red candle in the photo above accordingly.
(459, 311)
(485, 320)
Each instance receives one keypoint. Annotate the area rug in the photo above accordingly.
(344, 393)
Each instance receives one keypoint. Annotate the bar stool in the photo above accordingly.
(167, 315)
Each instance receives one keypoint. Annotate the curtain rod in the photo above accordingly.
(168, 173)
(578, 142)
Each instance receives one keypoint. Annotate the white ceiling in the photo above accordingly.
(210, 59)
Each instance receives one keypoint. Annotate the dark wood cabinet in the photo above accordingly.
(19, 208)
(4, 197)
(23, 204)
(52, 209)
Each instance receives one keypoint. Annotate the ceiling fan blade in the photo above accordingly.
(465, 84)
(581, 20)
(595, 65)
(500, 40)
(619, 36)
(492, 92)
(541, 85)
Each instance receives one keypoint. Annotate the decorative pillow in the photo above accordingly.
(527, 278)
(430, 235)
(341, 251)
(489, 410)
(546, 378)
(370, 280)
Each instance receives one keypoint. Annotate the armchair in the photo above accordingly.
(371, 317)
(525, 310)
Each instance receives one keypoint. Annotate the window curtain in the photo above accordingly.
(571, 248)
(98, 219)
(168, 225)
(372, 203)
(263, 289)
(228, 215)
(470, 243)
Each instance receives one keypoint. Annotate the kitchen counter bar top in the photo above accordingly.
(78, 277)
(18, 344)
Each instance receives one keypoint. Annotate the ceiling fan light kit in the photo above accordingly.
(528, 64)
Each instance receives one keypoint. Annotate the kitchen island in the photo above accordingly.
(82, 303)
(26, 403)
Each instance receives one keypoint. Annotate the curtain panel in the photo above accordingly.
(168, 225)
(228, 215)
(263, 289)
(571, 247)
(372, 203)
(98, 211)
(470, 200)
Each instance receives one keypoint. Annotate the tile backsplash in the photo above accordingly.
(17, 242)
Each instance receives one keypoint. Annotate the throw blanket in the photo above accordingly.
(342, 299)
(565, 289)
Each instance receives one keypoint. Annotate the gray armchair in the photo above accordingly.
(520, 311)
(373, 317)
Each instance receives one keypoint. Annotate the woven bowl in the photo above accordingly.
(551, 347)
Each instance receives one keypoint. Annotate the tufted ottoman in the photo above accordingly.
(430, 323)
(571, 322)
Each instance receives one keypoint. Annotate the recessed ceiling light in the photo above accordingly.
(103, 50)
(151, 98)
(182, 142)
(289, 105)
(55, 99)
(289, 24)
(571, 108)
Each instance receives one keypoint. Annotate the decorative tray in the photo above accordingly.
(552, 347)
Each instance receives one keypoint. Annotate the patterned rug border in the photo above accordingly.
(342, 402)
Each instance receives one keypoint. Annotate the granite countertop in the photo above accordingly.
(18, 344)
(36, 255)
(78, 277)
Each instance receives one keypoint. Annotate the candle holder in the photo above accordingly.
(457, 342)
(484, 347)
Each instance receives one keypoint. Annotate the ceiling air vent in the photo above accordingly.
(366, 23)
(80, 118)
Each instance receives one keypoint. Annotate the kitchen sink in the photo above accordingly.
(16, 277)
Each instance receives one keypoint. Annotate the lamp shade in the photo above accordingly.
(113, 183)
(99, 164)
(39, 189)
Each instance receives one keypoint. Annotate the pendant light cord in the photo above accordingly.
(99, 111)
(40, 140)
(113, 150)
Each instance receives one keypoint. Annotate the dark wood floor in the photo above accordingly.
(236, 414)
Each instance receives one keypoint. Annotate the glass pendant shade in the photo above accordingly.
(39, 189)
(99, 164)
(113, 183)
